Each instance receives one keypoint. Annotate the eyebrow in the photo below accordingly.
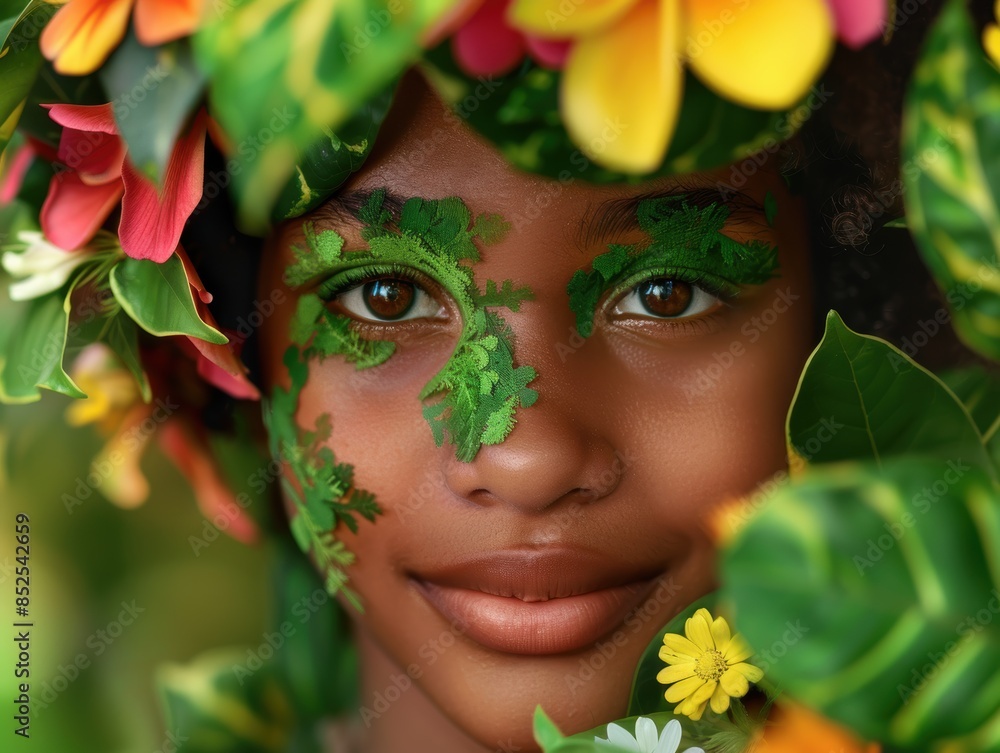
(344, 207)
(614, 217)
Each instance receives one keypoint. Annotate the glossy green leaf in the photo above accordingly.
(979, 391)
(951, 137)
(331, 159)
(861, 398)
(227, 700)
(283, 73)
(154, 91)
(122, 336)
(159, 298)
(873, 593)
(20, 58)
(33, 359)
(519, 113)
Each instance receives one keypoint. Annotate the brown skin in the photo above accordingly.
(622, 454)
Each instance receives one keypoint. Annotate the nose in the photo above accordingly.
(547, 458)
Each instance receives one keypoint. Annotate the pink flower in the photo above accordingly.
(858, 22)
(487, 44)
(99, 174)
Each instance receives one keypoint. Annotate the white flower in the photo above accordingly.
(43, 266)
(645, 740)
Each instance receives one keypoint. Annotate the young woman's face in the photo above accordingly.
(539, 571)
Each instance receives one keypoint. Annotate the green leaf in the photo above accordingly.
(890, 623)
(221, 702)
(520, 115)
(861, 398)
(547, 734)
(20, 58)
(33, 359)
(154, 90)
(951, 136)
(284, 73)
(979, 391)
(158, 297)
(122, 336)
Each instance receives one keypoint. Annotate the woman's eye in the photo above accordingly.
(666, 298)
(388, 299)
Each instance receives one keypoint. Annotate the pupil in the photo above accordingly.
(389, 298)
(665, 297)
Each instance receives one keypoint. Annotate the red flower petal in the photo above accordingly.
(219, 365)
(98, 118)
(549, 53)
(97, 157)
(10, 181)
(487, 45)
(858, 22)
(74, 211)
(194, 459)
(152, 222)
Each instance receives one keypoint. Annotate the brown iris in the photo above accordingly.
(665, 297)
(389, 298)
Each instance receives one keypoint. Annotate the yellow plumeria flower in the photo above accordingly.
(706, 667)
(623, 83)
(991, 37)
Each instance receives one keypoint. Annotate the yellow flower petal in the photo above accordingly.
(621, 88)
(559, 18)
(721, 634)
(766, 54)
(681, 646)
(666, 655)
(737, 650)
(668, 675)
(991, 42)
(749, 671)
(719, 700)
(734, 682)
(684, 689)
(699, 629)
(83, 33)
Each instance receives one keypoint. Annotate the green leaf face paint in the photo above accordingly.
(479, 389)
(686, 243)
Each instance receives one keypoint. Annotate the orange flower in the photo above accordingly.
(792, 729)
(83, 33)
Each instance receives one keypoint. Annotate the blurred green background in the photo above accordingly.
(85, 564)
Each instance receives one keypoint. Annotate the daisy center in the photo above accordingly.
(711, 665)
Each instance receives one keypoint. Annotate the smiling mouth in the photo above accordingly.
(533, 602)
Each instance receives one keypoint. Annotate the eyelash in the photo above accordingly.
(711, 284)
(343, 281)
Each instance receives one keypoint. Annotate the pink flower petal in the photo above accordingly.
(95, 155)
(549, 53)
(97, 118)
(194, 459)
(10, 181)
(858, 22)
(219, 365)
(74, 211)
(487, 45)
(451, 20)
(152, 222)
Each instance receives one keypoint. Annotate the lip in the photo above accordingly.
(536, 602)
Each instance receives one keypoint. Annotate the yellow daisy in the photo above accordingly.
(706, 667)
